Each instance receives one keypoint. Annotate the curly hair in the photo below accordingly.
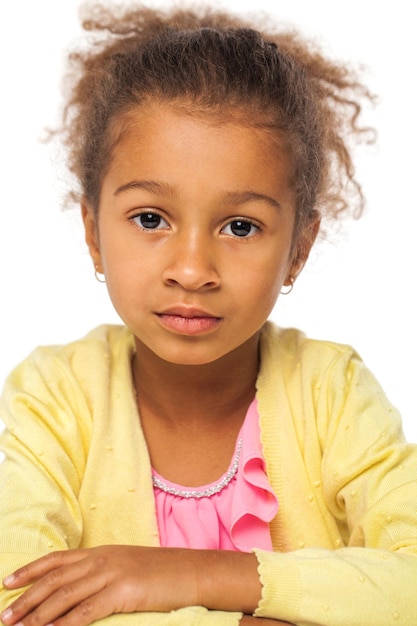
(216, 64)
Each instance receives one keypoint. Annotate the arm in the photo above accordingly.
(83, 586)
(46, 446)
(41, 478)
(164, 615)
(369, 485)
(86, 585)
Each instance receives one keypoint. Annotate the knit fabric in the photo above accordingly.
(77, 474)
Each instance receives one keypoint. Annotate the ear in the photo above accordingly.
(91, 234)
(305, 241)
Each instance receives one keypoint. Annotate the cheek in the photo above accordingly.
(270, 291)
(262, 287)
(272, 271)
(117, 254)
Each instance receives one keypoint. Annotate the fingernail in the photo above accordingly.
(6, 615)
(9, 580)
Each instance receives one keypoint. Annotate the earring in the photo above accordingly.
(98, 274)
(290, 286)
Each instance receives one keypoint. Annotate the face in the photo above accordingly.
(194, 233)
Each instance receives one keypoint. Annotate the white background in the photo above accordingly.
(358, 288)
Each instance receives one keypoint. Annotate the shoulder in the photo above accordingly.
(289, 349)
(292, 362)
(308, 373)
(324, 380)
(101, 341)
(99, 345)
(76, 368)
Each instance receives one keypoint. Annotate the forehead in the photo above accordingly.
(219, 147)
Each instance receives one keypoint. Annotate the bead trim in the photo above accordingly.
(205, 493)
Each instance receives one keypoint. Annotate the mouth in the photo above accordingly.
(188, 320)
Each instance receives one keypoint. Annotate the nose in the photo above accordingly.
(191, 263)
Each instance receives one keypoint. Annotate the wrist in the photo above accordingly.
(228, 581)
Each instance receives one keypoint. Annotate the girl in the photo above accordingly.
(199, 465)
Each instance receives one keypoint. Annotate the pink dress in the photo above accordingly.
(232, 513)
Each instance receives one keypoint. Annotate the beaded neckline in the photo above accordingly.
(203, 493)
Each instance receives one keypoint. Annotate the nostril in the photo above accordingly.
(191, 272)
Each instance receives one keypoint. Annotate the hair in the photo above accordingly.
(216, 64)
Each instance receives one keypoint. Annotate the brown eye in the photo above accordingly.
(150, 221)
(240, 228)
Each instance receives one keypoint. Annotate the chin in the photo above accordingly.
(190, 359)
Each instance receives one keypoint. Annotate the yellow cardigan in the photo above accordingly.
(77, 474)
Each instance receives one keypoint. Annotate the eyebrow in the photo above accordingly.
(152, 186)
(230, 197)
(243, 197)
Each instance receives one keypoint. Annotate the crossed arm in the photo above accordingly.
(77, 587)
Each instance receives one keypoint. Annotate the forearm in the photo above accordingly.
(101, 581)
(227, 581)
(230, 582)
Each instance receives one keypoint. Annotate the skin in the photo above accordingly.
(195, 237)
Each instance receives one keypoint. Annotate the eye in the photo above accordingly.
(150, 221)
(241, 228)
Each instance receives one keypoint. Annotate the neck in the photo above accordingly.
(210, 392)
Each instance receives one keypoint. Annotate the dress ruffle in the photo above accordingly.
(236, 517)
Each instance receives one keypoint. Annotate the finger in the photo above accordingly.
(34, 570)
(58, 578)
(34, 607)
(93, 608)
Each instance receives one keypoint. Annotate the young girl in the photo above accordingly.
(200, 465)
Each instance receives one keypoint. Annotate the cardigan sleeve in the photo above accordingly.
(369, 485)
(45, 448)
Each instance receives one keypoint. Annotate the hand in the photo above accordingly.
(77, 587)
(86, 585)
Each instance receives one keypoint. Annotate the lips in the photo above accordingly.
(186, 311)
(188, 320)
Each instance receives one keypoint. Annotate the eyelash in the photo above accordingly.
(138, 217)
(243, 222)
